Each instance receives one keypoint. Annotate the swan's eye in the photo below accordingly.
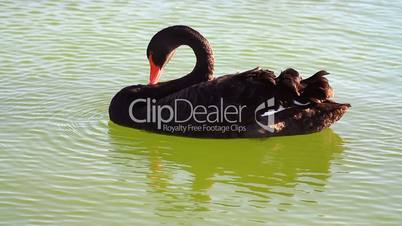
(155, 71)
(157, 58)
(151, 60)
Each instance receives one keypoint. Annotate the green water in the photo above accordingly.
(63, 163)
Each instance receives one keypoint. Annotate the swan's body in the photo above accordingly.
(253, 103)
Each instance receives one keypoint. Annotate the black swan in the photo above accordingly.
(254, 103)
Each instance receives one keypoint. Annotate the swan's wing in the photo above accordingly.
(249, 89)
(316, 88)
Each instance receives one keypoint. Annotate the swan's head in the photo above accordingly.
(158, 58)
(161, 49)
(163, 44)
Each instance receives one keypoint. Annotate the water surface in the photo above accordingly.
(63, 162)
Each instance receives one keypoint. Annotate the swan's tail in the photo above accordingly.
(302, 105)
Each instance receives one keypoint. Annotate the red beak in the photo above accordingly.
(155, 72)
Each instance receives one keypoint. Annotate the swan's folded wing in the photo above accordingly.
(316, 88)
(248, 89)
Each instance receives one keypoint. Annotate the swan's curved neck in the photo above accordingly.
(173, 37)
(204, 67)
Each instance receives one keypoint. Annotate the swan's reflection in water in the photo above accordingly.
(200, 170)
